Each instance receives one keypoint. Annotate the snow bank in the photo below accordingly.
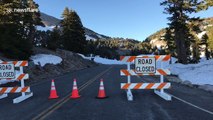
(200, 35)
(200, 74)
(89, 38)
(45, 28)
(43, 59)
(105, 61)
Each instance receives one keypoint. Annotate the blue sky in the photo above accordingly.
(135, 19)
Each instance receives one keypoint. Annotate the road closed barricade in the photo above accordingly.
(146, 65)
(13, 71)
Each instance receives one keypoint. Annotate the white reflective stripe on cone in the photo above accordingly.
(101, 88)
(74, 83)
(53, 84)
(53, 88)
(74, 87)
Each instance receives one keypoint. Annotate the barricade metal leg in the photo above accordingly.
(129, 95)
(163, 95)
(129, 92)
(3, 96)
(161, 92)
(23, 97)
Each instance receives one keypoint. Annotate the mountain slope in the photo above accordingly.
(157, 39)
(50, 22)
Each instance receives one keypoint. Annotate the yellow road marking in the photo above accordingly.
(58, 104)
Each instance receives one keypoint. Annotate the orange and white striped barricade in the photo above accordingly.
(9, 73)
(146, 65)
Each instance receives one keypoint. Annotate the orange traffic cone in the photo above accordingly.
(53, 93)
(101, 93)
(75, 94)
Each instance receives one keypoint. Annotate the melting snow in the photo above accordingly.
(89, 38)
(200, 74)
(200, 35)
(43, 59)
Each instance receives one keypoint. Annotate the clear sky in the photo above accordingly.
(135, 19)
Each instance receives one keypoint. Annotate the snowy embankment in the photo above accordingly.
(199, 74)
(45, 28)
(43, 59)
(105, 61)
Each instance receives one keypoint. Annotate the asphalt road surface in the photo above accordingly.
(187, 103)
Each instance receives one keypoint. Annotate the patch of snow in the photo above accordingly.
(89, 38)
(45, 28)
(200, 74)
(203, 59)
(210, 25)
(99, 36)
(200, 35)
(206, 87)
(153, 40)
(105, 61)
(44, 59)
(158, 47)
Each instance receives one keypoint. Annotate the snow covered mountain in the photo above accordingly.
(157, 39)
(50, 22)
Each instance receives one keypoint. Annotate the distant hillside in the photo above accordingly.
(157, 39)
(108, 46)
(50, 22)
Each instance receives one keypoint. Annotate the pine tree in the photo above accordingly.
(179, 9)
(195, 52)
(73, 33)
(54, 42)
(210, 39)
(16, 29)
(204, 40)
(171, 46)
(31, 19)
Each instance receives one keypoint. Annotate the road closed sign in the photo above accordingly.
(7, 71)
(145, 65)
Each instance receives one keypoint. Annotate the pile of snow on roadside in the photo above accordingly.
(106, 61)
(200, 74)
(44, 59)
